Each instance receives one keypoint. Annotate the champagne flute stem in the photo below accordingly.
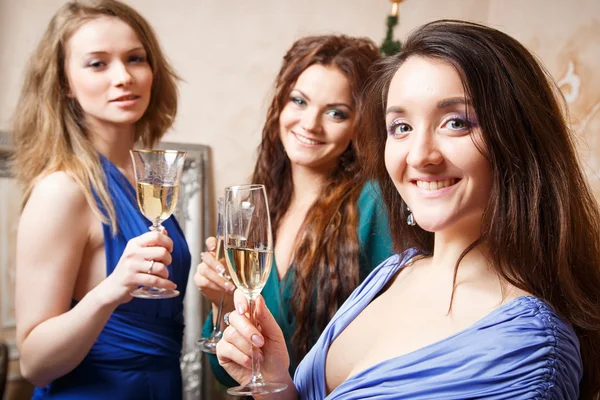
(256, 376)
(218, 329)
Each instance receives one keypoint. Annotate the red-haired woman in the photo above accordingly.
(330, 229)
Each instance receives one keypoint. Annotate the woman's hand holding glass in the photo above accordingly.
(143, 263)
(249, 253)
(157, 175)
(210, 276)
(234, 351)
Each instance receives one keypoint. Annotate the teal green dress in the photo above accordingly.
(375, 246)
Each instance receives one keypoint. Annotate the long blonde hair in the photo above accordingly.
(49, 130)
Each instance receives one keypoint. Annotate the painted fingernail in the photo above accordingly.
(211, 246)
(241, 309)
(229, 286)
(261, 358)
(257, 340)
(220, 268)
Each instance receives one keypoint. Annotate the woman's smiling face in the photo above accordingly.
(316, 123)
(431, 152)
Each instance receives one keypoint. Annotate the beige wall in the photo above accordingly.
(228, 53)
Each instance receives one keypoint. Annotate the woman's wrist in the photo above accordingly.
(101, 296)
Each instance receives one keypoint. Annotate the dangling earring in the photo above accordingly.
(410, 220)
(347, 159)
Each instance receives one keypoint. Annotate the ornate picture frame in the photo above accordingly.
(194, 216)
(7, 232)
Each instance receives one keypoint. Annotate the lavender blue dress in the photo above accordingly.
(136, 356)
(521, 350)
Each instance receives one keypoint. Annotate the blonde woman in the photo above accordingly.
(97, 84)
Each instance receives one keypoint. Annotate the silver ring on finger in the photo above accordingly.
(226, 318)
(225, 276)
(150, 267)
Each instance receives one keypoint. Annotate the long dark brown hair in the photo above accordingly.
(326, 253)
(542, 223)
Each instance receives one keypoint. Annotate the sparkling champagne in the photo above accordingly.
(249, 268)
(156, 201)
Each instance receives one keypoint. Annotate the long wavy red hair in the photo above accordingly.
(326, 252)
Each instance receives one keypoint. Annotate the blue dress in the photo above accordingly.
(521, 350)
(137, 353)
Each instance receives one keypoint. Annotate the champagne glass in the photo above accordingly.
(209, 344)
(249, 252)
(157, 176)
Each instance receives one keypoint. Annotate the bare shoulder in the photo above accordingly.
(57, 201)
(54, 230)
(58, 185)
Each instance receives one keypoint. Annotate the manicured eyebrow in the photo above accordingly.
(330, 105)
(441, 104)
(395, 110)
(100, 52)
(453, 101)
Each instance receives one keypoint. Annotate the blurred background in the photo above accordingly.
(228, 53)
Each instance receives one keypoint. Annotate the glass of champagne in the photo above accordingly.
(157, 176)
(249, 253)
(209, 344)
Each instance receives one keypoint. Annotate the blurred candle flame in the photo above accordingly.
(395, 7)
